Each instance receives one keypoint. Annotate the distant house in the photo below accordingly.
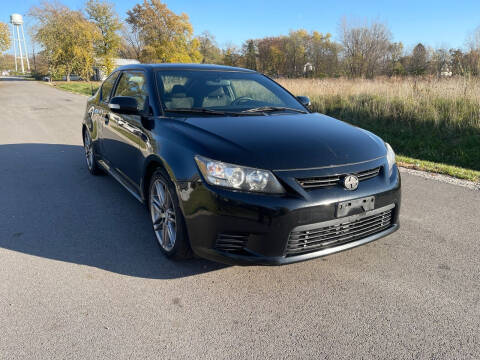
(308, 68)
(446, 72)
(99, 75)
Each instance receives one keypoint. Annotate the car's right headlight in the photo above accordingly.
(390, 158)
(238, 177)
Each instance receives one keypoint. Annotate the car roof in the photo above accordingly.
(200, 67)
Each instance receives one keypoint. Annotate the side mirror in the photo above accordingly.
(304, 100)
(124, 105)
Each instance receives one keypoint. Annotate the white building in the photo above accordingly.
(99, 75)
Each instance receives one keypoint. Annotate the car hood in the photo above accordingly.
(280, 141)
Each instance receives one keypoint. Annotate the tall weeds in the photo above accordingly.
(430, 119)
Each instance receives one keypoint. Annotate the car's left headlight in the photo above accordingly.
(238, 177)
(390, 158)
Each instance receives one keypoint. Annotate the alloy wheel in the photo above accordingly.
(88, 150)
(163, 215)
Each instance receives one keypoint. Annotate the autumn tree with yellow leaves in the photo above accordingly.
(103, 15)
(67, 39)
(165, 36)
(4, 37)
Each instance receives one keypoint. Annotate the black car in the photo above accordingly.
(236, 169)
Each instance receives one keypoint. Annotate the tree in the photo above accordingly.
(323, 54)
(4, 37)
(103, 15)
(393, 64)
(365, 47)
(272, 55)
(165, 36)
(208, 48)
(296, 55)
(250, 55)
(472, 58)
(440, 61)
(231, 56)
(419, 60)
(67, 39)
(131, 44)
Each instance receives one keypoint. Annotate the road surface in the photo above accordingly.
(82, 278)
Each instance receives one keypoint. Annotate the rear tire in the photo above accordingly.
(167, 218)
(90, 154)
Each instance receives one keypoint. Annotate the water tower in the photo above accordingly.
(19, 41)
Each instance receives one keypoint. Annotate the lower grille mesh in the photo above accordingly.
(306, 241)
(231, 242)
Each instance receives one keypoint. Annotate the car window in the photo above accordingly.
(132, 83)
(220, 90)
(107, 87)
(244, 88)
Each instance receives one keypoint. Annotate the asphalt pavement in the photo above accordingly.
(81, 276)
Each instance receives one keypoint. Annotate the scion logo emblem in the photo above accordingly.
(350, 182)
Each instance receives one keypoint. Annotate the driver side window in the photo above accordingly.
(107, 87)
(132, 83)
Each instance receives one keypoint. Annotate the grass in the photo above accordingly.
(78, 87)
(435, 121)
(454, 171)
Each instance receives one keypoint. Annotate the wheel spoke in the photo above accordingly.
(160, 193)
(171, 233)
(164, 235)
(156, 205)
(158, 224)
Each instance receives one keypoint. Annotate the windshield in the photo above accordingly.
(216, 92)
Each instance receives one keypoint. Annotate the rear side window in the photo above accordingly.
(107, 87)
(132, 83)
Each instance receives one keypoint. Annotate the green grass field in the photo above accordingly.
(79, 87)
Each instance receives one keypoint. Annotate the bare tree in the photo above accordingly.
(365, 46)
(132, 44)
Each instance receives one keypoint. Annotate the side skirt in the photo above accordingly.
(117, 176)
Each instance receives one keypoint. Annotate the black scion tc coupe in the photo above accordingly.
(236, 169)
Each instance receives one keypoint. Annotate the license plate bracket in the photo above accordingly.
(356, 206)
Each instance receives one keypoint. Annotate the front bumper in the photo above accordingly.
(256, 228)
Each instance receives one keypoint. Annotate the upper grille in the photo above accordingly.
(338, 232)
(231, 242)
(331, 180)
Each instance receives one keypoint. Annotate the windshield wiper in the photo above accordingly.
(272, 109)
(205, 111)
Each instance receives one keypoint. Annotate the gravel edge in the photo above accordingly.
(443, 178)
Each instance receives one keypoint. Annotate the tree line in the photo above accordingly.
(74, 41)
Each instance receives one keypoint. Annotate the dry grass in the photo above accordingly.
(428, 119)
(404, 88)
(447, 102)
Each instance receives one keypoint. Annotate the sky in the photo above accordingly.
(437, 23)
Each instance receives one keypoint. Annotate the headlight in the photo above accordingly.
(238, 177)
(390, 158)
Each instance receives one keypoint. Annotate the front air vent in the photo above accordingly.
(231, 242)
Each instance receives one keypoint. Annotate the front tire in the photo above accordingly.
(167, 218)
(90, 154)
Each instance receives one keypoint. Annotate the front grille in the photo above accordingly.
(337, 232)
(331, 180)
(231, 242)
